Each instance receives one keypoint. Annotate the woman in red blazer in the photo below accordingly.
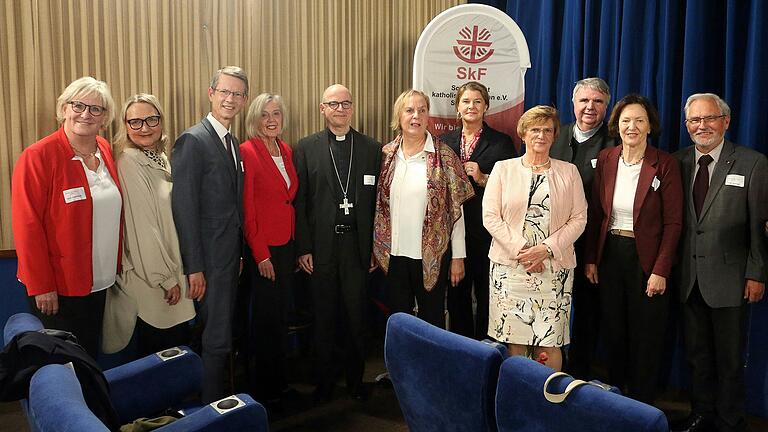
(66, 215)
(269, 188)
(634, 225)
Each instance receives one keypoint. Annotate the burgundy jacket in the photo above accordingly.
(657, 214)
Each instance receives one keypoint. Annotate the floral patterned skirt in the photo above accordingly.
(530, 308)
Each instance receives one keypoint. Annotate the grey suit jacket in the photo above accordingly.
(726, 244)
(207, 199)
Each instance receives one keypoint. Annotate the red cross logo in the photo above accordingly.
(474, 48)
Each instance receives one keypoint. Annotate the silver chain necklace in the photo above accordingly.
(345, 205)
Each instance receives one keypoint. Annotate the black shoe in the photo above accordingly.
(695, 423)
(361, 392)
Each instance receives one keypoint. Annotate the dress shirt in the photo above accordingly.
(222, 132)
(715, 153)
(408, 206)
(624, 196)
(107, 205)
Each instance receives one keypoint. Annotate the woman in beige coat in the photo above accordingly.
(151, 297)
(534, 208)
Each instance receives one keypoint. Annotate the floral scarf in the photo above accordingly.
(447, 189)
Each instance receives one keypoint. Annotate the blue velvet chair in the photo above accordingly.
(443, 381)
(521, 406)
(140, 388)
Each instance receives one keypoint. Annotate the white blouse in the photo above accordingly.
(107, 205)
(624, 196)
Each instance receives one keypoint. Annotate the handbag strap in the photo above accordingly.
(560, 397)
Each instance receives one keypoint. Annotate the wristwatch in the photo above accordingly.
(549, 251)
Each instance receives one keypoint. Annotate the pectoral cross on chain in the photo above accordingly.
(346, 205)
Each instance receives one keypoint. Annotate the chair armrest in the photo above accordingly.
(247, 415)
(20, 323)
(150, 385)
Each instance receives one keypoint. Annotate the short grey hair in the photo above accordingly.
(724, 108)
(232, 71)
(594, 83)
(258, 105)
(87, 86)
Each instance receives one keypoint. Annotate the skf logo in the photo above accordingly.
(474, 48)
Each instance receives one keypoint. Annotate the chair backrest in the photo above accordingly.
(521, 406)
(443, 381)
(20, 323)
(56, 402)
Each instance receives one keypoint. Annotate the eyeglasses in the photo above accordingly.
(693, 121)
(80, 107)
(227, 93)
(137, 123)
(334, 105)
(545, 131)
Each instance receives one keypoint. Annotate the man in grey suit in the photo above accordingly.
(208, 212)
(338, 169)
(579, 143)
(722, 261)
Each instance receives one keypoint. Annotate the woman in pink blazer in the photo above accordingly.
(269, 187)
(534, 208)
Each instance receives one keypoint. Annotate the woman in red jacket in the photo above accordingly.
(269, 188)
(66, 211)
(635, 219)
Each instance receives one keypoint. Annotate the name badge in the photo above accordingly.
(369, 180)
(242, 167)
(74, 194)
(594, 163)
(734, 180)
(655, 183)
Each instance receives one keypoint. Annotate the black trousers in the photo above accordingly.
(715, 341)
(81, 316)
(476, 267)
(150, 340)
(585, 322)
(405, 281)
(267, 326)
(634, 325)
(339, 296)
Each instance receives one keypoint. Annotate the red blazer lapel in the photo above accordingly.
(287, 153)
(644, 183)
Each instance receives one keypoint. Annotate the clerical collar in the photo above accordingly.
(339, 138)
(582, 136)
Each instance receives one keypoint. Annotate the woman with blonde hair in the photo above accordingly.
(419, 227)
(534, 208)
(151, 297)
(66, 215)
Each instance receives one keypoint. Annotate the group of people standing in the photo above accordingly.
(114, 250)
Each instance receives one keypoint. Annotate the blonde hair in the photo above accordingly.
(258, 105)
(536, 116)
(122, 141)
(87, 86)
(397, 109)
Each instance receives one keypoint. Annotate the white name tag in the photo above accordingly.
(242, 167)
(594, 163)
(74, 194)
(369, 180)
(734, 180)
(655, 183)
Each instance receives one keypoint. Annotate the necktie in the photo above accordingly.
(230, 143)
(701, 183)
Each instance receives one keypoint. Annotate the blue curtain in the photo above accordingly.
(665, 50)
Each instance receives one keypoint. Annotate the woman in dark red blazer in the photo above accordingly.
(269, 188)
(634, 225)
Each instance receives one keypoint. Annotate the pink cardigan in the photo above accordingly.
(506, 201)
